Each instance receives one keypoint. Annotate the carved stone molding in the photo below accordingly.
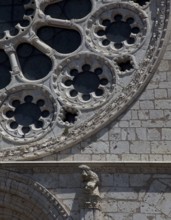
(27, 199)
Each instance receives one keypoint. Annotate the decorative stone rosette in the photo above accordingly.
(116, 28)
(84, 81)
(27, 113)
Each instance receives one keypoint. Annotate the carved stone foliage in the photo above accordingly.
(70, 68)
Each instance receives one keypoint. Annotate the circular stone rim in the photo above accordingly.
(3, 125)
(62, 93)
(93, 42)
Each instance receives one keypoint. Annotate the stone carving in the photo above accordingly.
(91, 184)
(70, 81)
(113, 89)
(113, 15)
(30, 192)
(39, 111)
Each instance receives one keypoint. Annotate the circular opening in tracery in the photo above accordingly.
(27, 114)
(70, 116)
(12, 13)
(118, 31)
(86, 82)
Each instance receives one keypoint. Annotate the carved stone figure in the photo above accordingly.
(91, 184)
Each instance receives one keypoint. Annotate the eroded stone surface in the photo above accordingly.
(137, 191)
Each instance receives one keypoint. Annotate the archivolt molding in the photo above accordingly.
(22, 198)
(118, 72)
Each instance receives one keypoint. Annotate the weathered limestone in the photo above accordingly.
(127, 190)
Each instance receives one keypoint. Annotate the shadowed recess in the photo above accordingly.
(69, 9)
(86, 82)
(123, 66)
(70, 117)
(118, 31)
(62, 40)
(5, 68)
(27, 113)
(34, 64)
(141, 2)
(11, 14)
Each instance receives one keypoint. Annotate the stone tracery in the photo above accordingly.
(79, 80)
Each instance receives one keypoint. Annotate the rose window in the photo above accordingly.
(69, 67)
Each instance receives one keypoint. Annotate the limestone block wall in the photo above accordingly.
(129, 191)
